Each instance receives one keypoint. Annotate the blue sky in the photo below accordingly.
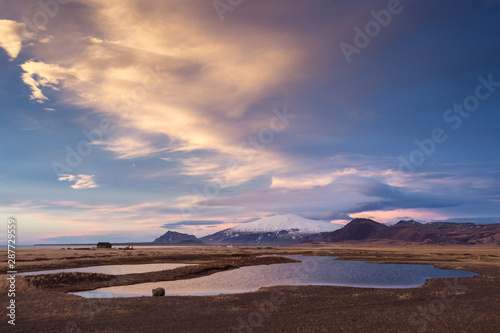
(122, 119)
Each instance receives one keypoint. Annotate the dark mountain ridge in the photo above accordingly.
(172, 237)
(408, 232)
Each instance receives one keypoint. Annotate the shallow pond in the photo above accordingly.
(322, 271)
(113, 269)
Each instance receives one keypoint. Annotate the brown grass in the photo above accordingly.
(305, 309)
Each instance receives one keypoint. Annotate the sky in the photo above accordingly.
(122, 119)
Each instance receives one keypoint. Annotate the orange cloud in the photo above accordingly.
(12, 35)
(184, 79)
(421, 215)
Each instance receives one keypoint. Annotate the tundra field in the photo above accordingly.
(441, 305)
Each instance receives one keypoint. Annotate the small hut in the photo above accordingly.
(103, 245)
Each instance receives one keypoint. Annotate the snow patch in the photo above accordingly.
(289, 222)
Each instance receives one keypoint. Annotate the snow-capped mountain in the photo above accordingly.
(289, 222)
(274, 230)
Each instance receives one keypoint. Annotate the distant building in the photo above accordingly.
(104, 245)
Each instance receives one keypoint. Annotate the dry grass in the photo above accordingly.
(470, 308)
(42, 259)
(21, 284)
(405, 296)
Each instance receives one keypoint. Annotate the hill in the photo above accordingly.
(172, 237)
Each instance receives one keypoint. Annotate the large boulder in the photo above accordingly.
(158, 292)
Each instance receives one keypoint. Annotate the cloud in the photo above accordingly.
(338, 200)
(38, 75)
(181, 224)
(387, 216)
(476, 220)
(12, 35)
(77, 238)
(324, 177)
(193, 84)
(81, 181)
(184, 88)
(397, 197)
(129, 147)
(97, 216)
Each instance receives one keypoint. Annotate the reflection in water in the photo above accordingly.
(310, 271)
(113, 269)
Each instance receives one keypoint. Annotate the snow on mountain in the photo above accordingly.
(290, 222)
(274, 230)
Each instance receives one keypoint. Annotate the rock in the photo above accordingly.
(158, 292)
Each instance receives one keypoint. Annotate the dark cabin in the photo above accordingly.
(103, 245)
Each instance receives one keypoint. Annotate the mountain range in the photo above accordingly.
(291, 229)
(367, 231)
